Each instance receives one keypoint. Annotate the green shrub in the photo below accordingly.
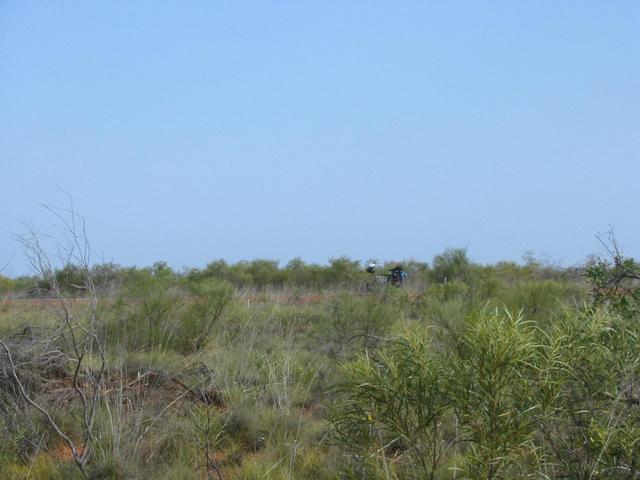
(541, 301)
(146, 316)
(497, 368)
(208, 302)
(594, 431)
(342, 271)
(446, 307)
(7, 285)
(615, 283)
(452, 264)
(395, 401)
(356, 323)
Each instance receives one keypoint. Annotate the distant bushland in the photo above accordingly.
(260, 275)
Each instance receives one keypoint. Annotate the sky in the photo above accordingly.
(193, 131)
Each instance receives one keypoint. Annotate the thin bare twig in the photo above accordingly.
(82, 336)
(50, 420)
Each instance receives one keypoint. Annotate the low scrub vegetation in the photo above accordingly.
(255, 371)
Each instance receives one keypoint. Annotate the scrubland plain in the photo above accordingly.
(252, 371)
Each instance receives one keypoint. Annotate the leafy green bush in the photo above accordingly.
(355, 323)
(541, 301)
(497, 370)
(209, 300)
(7, 285)
(452, 264)
(342, 271)
(395, 401)
(146, 316)
(615, 283)
(594, 431)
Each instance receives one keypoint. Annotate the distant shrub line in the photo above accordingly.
(453, 265)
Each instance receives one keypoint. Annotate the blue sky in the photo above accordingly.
(191, 131)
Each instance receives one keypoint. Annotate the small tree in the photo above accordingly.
(452, 264)
(615, 281)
